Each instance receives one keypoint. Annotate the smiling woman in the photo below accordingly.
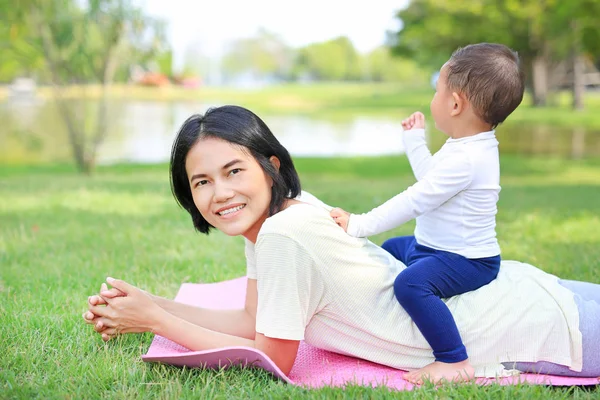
(309, 280)
(234, 198)
(234, 142)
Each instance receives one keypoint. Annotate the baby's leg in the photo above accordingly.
(420, 289)
(587, 298)
(401, 248)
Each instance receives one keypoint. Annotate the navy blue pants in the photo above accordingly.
(432, 275)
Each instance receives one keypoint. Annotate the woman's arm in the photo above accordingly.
(137, 312)
(194, 337)
(236, 322)
(240, 322)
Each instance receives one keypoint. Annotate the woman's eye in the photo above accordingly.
(201, 182)
(234, 171)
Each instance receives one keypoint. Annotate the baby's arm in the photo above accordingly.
(415, 144)
(444, 181)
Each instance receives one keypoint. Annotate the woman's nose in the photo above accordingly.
(222, 193)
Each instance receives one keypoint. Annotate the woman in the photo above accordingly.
(309, 280)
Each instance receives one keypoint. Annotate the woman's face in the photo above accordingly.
(229, 187)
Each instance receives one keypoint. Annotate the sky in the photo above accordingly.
(211, 24)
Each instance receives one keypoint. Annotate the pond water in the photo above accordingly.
(142, 131)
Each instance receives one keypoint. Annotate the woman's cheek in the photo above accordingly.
(202, 201)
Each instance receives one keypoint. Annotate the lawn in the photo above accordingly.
(62, 233)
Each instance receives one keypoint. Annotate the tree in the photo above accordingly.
(20, 57)
(265, 56)
(382, 66)
(579, 42)
(85, 42)
(540, 30)
(333, 60)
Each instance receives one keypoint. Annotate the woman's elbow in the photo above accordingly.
(281, 351)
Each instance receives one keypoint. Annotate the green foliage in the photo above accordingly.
(332, 60)
(382, 66)
(264, 55)
(69, 41)
(85, 42)
(20, 56)
(543, 32)
(165, 62)
(63, 233)
(432, 29)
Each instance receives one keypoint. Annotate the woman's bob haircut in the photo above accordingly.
(237, 126)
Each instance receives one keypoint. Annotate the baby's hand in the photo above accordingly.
(340, 217)
(415, 121)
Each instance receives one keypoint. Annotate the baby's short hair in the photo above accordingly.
(491, 78)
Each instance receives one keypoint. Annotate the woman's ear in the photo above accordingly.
(458, 105)
(275, 161)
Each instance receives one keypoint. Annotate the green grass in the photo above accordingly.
(62, 233)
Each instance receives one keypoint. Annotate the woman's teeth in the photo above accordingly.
(230, 210)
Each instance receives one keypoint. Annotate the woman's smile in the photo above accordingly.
(230, 211)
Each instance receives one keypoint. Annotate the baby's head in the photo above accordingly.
(485, 75)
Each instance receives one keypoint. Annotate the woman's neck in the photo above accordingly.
(252, 234)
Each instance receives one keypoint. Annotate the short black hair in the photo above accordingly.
(239, 126)
(491, 78)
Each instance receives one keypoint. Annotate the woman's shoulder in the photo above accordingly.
(307, 222)
(305, 212)
(296, 219)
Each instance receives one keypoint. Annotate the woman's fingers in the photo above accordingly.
(88, 317)
(96, 300)
(123, 286)
(111, 293)
(102, 324)
(111, 332)
(100, 311)
(99, 326)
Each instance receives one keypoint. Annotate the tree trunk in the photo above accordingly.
(540, 80)
(578, 70)
(76, 138)
(578, 82)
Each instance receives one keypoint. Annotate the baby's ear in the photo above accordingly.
(459, 105)
(275, 161)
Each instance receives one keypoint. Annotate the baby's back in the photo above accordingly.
(466, 224)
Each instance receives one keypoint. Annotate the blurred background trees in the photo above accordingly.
(81, 48)
(557, 40)
(69, 42)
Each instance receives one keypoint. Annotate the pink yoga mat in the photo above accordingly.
(313, 367)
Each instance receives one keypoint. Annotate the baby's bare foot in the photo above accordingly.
(438, 372)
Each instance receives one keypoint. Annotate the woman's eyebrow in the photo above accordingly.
(228, 165)
(231, 163)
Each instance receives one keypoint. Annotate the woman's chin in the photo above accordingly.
(232, 229)
(232, 232)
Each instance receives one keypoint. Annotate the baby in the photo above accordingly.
(454, 248)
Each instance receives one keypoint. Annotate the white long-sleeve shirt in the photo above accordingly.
(454, 200)
(335, 291)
